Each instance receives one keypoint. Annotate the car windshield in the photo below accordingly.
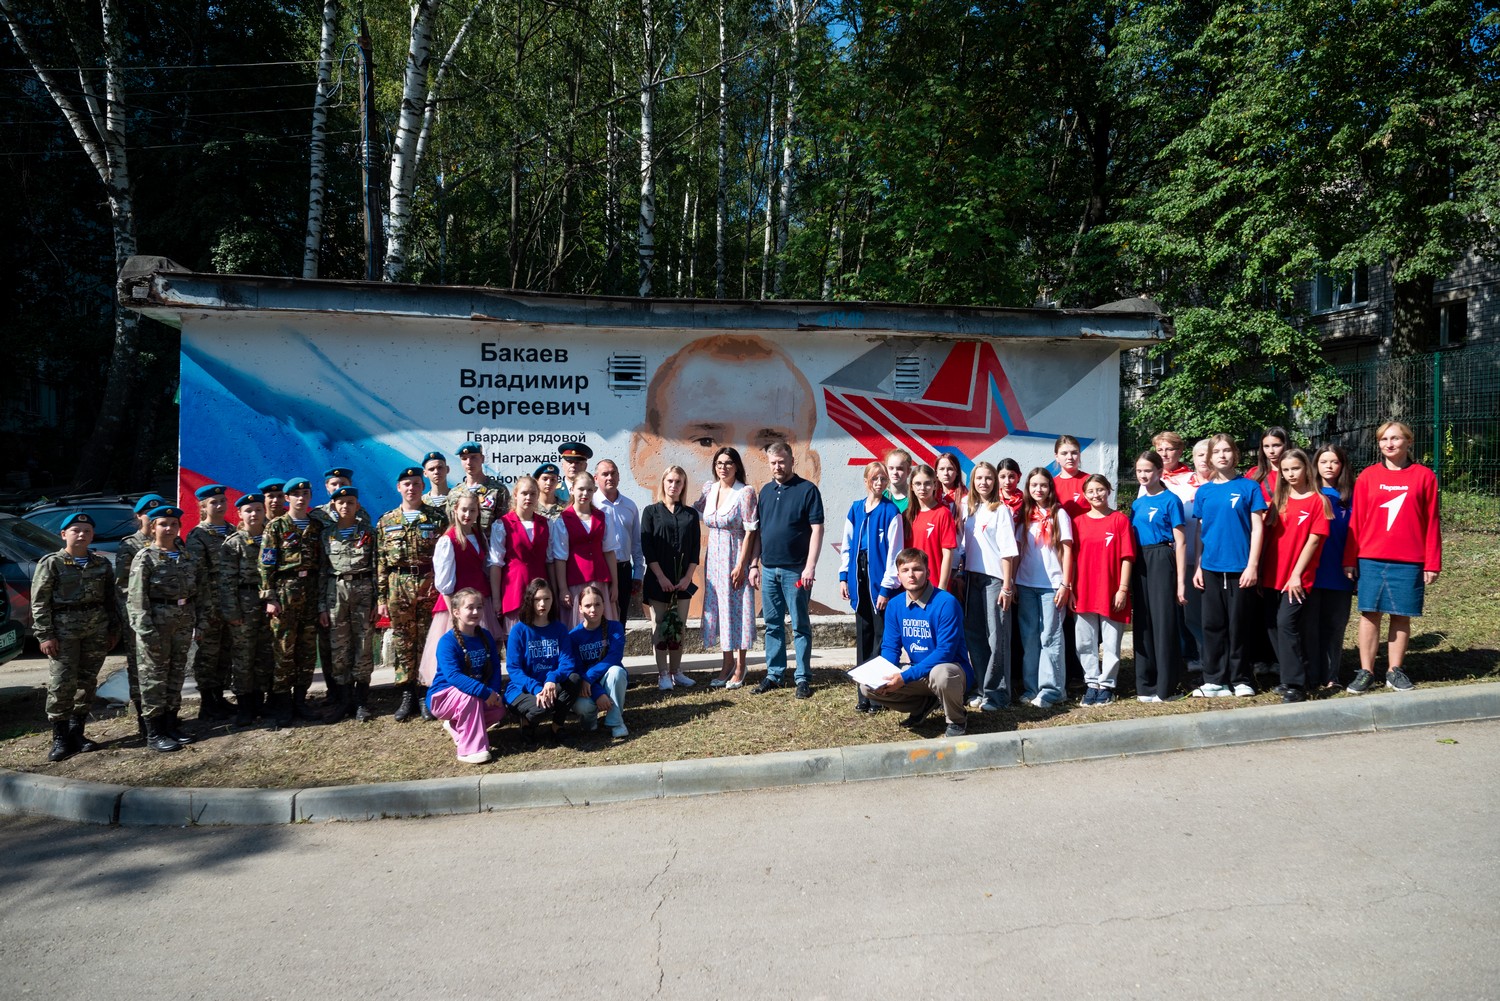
(21, 540)
(112, 522)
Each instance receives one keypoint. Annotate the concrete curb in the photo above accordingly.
(23, 793)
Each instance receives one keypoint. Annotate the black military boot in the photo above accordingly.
(334, 702)
(245, 706)
(280, 708)
(140, 717)
(426, 710)
(79, 742)
(361, 701)
(62, 747)
(225, 707)
(408, 707)
(301, 709)
(170, 723)
(156, 738)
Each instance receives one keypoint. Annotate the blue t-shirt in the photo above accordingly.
(1224, 509)
(1154, 516)
(1331, 558)
(788, 511)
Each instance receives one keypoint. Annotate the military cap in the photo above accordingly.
(148, 502)
(271, 485)
(297, 483)
(344, 492)
(575, 450)
(77, 518)
(250, 499)
(470, 448)
(339, 471)
(439, 456)
(409, 472)
(548, 467)
(165, 511)
(210, 490)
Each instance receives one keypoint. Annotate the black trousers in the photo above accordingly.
(869, 625)
(1323, 623)
(1158, 655)
(1228, 621)
(530, 712)
(624, 580)
(1287, 636)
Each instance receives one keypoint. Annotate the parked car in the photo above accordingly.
(113, 514)
(11, 636)
(21, 545)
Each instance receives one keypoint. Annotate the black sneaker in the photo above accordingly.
(766, 685)
(804, 690)
(1397, 679)
(915, 717)
(1293, 694)
(1362, 681)
(955, 730)
(1280, 689)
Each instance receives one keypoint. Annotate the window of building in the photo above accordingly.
(1453, 322)
(1341, 290)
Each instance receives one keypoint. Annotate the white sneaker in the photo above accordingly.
(1207, 691)
(477, 758)
(1148, 698)
(1243, 690)
(665, 684)
(448, 728)
(1038, 702)
(975, 704)
(619, 731)
(682, 680)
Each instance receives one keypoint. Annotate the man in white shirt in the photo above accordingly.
(627, 519)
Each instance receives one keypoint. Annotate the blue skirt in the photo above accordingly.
(1392, 588)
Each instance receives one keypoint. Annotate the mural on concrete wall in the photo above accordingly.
(264, 397)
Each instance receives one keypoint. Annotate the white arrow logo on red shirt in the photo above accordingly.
(1392, 508)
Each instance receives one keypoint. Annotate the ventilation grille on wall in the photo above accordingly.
(909, 378)
(627, 373)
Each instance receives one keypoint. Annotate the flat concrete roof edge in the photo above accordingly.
(32, 794)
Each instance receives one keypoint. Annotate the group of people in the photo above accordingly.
(1216, 570)
(1223, 574)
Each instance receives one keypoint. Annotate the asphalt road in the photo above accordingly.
(1350, 867)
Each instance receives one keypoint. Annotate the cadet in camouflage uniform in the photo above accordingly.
(333, 479)
(124, 553)
(435, 467)
(168, 600)
(242, 608)
(547, 478)
(407, 536)
(346, 608)
(289, 554)
(211, 661)
(76, 620)
(494, 496)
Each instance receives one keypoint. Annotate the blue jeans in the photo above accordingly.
(615, 681)
(780, 596)
(1041, 645)
(987, 635)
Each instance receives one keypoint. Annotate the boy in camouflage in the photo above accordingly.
(124, 553)
(494, 496)
(289, 554)
(168, 601)
(241, 606)
(407, 536)
(211, 659)
(346, 607)
(76, 620)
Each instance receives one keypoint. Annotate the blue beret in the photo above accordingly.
(297, 483)
(409, 472)
(439, 456)
(345, 492)
(548, 467)
(471, 447)
(271, 485)
(210, 490)
(77, 518)
(347, 474)
(250, 499)
(166, 511)
(148, 502)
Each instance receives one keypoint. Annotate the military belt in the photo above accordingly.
(87, 606)
(417, 568)
(352, 574)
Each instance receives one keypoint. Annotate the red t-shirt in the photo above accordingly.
(1285, 537)
(932, 532)
(1070, 493)
(1394, 517)
(1102, 544)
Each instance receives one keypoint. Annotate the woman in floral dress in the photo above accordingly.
(728, 507)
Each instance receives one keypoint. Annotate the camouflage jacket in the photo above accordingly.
(286, 550)
(406, 547)
(345, 558)
(60, 585)
(239, 572)
(158, 581)
(494, 501)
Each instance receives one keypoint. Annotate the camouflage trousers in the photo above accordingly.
(127, 644)
(350, 632)
(72, 676)
(254, 666)
(212, 657)
(294, 634)
(410, 608)
(162, 657)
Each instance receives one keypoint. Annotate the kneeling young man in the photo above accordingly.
(929, 625)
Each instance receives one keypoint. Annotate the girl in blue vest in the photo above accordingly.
(874, 533)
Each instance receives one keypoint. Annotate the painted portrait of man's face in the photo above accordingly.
(728, 389)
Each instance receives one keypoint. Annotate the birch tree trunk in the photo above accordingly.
(795, 14)
(765, 252)
(721, 220)
(99, 127)
(430, 105)
(646, 229)
(408, 132)
(313, 245)
(613, 226)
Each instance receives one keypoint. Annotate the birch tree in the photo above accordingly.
(317, 182)
(98, 121)
(408, 132)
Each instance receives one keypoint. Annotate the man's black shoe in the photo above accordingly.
(916, 717)
(766, 684)
(804, 690)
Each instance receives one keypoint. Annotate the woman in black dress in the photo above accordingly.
(670, 539)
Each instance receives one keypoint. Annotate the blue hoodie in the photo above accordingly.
(532, 656)
(450, 666)
(931, 635)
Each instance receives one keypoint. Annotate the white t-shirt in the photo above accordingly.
(989, 539)
(1039, 565)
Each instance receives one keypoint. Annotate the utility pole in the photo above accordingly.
(374, 242)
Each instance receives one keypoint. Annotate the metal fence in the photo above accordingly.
(1450, 398)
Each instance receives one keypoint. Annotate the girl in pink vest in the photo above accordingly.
(460, 560)
(519, 545)
(583, 550)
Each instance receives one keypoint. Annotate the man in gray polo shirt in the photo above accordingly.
(789, 539)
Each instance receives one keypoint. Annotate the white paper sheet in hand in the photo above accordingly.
(872, 673)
